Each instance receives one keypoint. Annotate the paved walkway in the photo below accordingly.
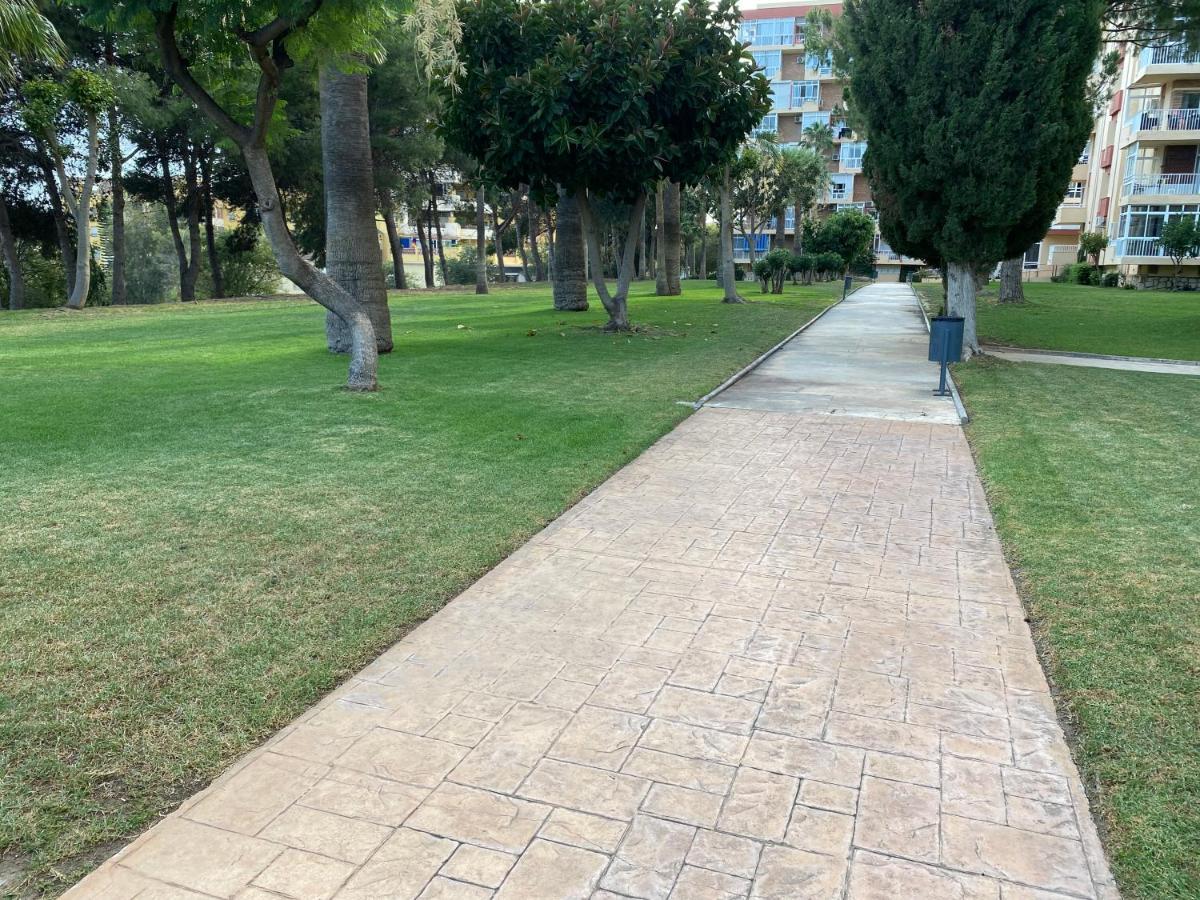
(777, 656)
(865, 357)
(1095, 361)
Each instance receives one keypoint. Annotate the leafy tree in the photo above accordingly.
(772, 269)
(1153, 21)
(221, 36)
(25, 34)
(1180, 240)
(759, 191)
(1092, 244)
(1000, 92)
(850, 234)
(604, 98)
(86, 95)
(803, 178)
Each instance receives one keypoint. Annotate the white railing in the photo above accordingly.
(1162, 184)
(1165, 120)
(1169, 55)
(1143, 246)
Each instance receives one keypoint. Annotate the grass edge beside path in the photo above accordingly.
(203, 533)
(1095, 497)
(1085, 319)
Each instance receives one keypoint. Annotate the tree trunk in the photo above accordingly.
(66, 248)
(352, 255)
(364, 355)
(960, 301)
(481, 286)
(426, 250)
(643, 264)
(12, 262)
(81, 207)
(539, 268)
(780, 228)
(570, 275)
(672, 237)
(727, 279)
(498, 240)
(172, 206)
(187, 284)
(393, 236)
(120, 293)
(1011, 288)
(520, 240)
(661, 286)
(703, 274)
(210, 233)
(437, 226)
(616, 304)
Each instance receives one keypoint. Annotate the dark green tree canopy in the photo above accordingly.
(604, 95)
(976, 113)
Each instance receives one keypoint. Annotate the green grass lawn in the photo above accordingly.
(1162, 324)
(1094, 479)
(202, 533)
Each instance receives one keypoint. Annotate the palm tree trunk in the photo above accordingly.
(12, 262)
(570, 274)
(498, 240)
(661, 286)
(703, 273)
(120, 292)
(520, 240)
(481, 285)
(352, 255)
(426, 250)
(672, 237)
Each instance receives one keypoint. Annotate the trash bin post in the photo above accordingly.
(945, 346)
(846, 285)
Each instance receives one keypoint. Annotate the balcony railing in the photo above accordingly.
(1161, 184)
(1141, 246)
(1169, 55)
(1166, 120)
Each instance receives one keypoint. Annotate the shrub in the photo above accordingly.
(460, 269)
(247, 264)
(1110, 279)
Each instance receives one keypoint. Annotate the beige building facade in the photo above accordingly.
(805, 92)
(1140, 169)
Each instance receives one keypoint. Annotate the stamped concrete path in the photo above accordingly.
(777, 656)
(866, 356)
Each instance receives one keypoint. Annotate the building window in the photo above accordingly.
(1033, 255)
(813, 118)
(769, 125)
(781, 95)
(822, 65)
(769, 61)
(768, 32)
(840, 187)
(805, 92)
(741, 244)
(1087, 152)
(1075, 192)
(852, 155)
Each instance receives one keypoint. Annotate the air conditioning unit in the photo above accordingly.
(799, 120)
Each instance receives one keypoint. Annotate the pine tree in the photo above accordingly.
(976, 113)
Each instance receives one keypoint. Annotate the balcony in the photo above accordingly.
(1161, 185)
(1180, 125)
(1156, 63)
(1140, 246)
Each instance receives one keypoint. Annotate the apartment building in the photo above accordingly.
(806, 92)
(1140, 169)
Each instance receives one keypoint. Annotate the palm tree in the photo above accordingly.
(25, 34)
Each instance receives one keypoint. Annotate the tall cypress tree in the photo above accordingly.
(976, 112)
